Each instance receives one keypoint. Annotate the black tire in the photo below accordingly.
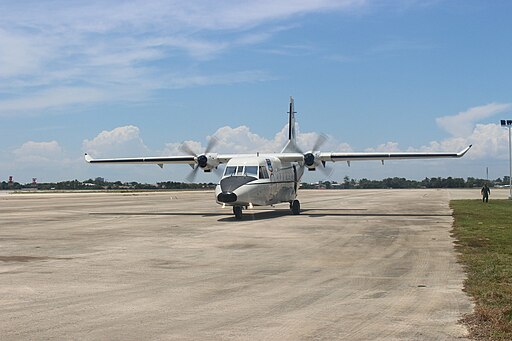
(237, 211)
(295, 207)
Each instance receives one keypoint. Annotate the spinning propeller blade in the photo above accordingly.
(200, 159)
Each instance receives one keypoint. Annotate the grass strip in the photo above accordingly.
(484, 242)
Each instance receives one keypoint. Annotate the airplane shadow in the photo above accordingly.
(275, 213)
(201, 214)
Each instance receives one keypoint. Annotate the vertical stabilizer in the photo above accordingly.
(291, 146)
(291, 120)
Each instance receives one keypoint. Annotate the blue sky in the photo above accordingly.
(140, 77)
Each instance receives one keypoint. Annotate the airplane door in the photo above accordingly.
(273, 186)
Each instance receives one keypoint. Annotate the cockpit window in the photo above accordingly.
(240, 170)
(251, 171)
(230, 170)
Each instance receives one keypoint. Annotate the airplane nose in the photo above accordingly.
(226, 197)
(229, 184)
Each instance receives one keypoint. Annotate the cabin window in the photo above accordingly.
(230, 170)
(251, 171)
(263, 172)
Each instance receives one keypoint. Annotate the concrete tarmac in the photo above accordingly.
(355, 265)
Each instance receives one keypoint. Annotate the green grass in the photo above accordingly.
(484, 241)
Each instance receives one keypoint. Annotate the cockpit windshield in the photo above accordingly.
(241, 170)
(230, 170)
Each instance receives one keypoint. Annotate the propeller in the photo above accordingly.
(309, 157)
(201, 160)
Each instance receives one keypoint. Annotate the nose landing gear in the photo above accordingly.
(237, 211)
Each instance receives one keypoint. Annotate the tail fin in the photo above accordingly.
(291, 121)
(291, 146)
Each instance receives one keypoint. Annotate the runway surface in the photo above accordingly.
(355, 265)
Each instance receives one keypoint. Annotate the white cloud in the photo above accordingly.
(180, 81)
(19, 54)
(53, 98)
(242, 140)
(385, 147)
(174, 148)
(488, 140)
(48, 159)
(45, 160)
(233, 140)
(38, 152)
(98, 51)
(118, 142)
(463, 123)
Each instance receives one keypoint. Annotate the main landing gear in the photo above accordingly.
(295, 207)
(237, 211)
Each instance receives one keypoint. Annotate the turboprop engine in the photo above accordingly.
(311, 160)
(207, 161)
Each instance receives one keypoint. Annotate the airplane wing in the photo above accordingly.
(204, 161)
(159, 160)
(212, 160)
(312, 159)
(389, 156)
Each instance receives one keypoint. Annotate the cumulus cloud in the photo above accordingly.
(242, 140)
(41, 159)
(385, 147)
(464, 122)
(488, 140)
(45, 160)
(118, 142)
(38, 152)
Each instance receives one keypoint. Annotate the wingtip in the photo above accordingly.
(88, 158)
(465, 150)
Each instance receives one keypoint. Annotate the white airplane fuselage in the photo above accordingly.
(258, 181)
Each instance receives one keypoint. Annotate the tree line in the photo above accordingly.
(396, 182)
(347, 183)
(100, 184)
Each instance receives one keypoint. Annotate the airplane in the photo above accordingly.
(267, 179)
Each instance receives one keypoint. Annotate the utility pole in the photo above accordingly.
(508, 124)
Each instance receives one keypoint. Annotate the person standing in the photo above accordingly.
(485, 191)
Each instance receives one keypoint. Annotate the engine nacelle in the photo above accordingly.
(207, 161)
(312, 160)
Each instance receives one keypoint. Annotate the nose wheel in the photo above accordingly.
(295, 207)
(237, 211)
